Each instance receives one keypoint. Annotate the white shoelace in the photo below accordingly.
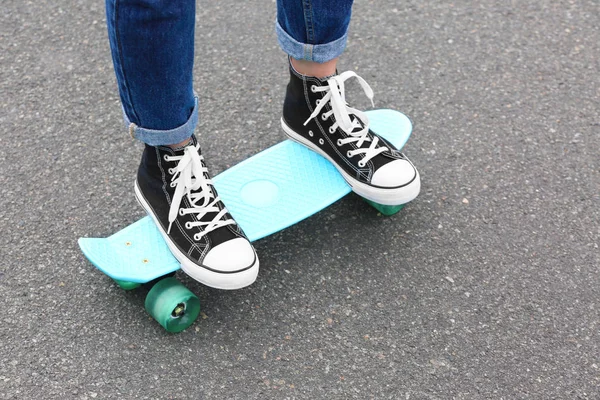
(346, 117)
(189, 180)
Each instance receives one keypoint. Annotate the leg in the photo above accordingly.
(313, 33)
(313, 30)
(313, 68)
(315, 113)
(152, 44)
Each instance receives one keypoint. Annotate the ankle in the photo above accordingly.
(180, 144)
(315, 69)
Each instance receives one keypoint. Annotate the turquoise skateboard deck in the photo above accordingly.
(266, 193)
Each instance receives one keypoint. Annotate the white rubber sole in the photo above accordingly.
(385, 196)
(217, 280)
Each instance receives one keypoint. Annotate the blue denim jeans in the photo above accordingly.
(152, 46)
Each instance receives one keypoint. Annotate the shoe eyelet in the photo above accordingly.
(348, 154)
(361, 164)
(321, 141)
(310, 133)
(313, 88)
(196, 237)
(323, 117)
(331, 130)
(339, 143)
(172, 184)
(181, 212)
(318, 101)
(171, 171)
(166, 158)
(188, 225)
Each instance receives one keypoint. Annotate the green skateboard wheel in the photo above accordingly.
(172, 305)
(127, 285)
(385, 210)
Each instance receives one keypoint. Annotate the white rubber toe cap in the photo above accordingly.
(394, 174)
(231, 256)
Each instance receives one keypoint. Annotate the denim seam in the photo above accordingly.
(122, 63)
(308, 21)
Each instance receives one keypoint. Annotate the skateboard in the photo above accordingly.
(265, 193)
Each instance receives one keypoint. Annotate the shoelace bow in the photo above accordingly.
(189, 180)
(348, 118)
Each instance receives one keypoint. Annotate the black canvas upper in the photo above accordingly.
(300, 102)
(153, 180)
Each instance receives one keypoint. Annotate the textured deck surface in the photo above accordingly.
(266, 193)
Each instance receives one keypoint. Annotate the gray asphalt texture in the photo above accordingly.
(485, 287)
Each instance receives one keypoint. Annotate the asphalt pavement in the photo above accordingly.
(485, 287)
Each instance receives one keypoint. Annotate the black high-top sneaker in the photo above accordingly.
(175, 189)
(315, 114)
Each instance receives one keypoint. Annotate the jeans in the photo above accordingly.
(152, 46)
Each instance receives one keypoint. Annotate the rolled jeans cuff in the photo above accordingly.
(310, 52)
(155, 137)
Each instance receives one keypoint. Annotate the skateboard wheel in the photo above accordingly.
(385, 210)
(172, 305)
(127, 285)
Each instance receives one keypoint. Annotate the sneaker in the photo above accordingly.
(315, 114)
(175, 189)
